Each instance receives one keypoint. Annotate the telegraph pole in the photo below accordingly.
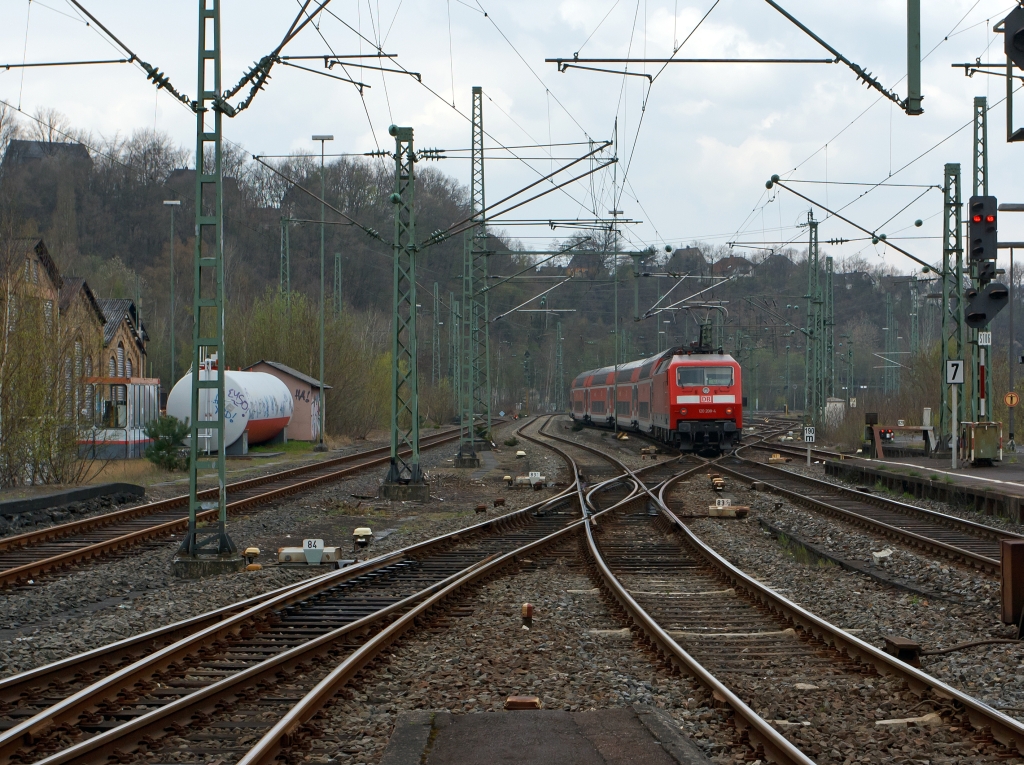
(208, 361)
(321, 447)
(286, 266)
(404, 479)
(559, 368)
(891, 378)
(337, 284)
(829, 337)
(173, 204)
(435, 347)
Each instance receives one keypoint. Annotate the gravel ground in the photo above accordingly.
(116, 597)
(576, 657)
(966, 611)
(628, 452)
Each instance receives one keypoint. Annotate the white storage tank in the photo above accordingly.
(258, 404)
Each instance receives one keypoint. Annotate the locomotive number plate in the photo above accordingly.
(705, 411)
(705, 399)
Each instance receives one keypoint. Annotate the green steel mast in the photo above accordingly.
(208, 299)
(405, 477)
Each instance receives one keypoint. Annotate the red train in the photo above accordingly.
(690, 398)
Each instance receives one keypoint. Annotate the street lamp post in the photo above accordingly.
(321, 447)
(172, 203)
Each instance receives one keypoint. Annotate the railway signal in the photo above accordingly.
(981, 227)
(1013, 36)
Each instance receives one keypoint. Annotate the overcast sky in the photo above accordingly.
(711, 135)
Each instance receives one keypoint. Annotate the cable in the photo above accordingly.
(24, 52)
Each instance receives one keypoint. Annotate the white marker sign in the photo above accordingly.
(809, 435)
(984, 338)
(313, 549)
(955, 372)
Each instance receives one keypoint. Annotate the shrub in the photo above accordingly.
(577, 426)
(511, 441)
(167, 450)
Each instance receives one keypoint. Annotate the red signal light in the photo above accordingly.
(976, 219)
(990, 218)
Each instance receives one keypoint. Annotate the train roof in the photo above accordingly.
(683, 352)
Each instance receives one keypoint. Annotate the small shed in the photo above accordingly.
(305, 390)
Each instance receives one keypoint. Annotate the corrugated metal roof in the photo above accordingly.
(117, 309)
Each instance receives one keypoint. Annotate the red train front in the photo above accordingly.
(689, 398)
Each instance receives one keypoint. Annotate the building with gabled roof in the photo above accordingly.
(305, 390)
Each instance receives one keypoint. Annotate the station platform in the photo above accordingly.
(628, 736)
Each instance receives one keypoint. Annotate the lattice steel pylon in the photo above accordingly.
(475, 326)
(980, 187)
(207, 415)
(814, 365)
(286, 270)
(829, 338)
(404, 469)
(953, 326)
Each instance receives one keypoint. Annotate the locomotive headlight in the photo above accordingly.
(683, 410)
(728, 410)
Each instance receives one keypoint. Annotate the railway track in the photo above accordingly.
(28, 555)
(219, 688)
(801, 689)
(295, 734)
(937, 533)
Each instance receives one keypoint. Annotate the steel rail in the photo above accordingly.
(277, 737)
(97, 549)
(983, 562)
(775, 745)
(282, 735)
(286, 730)
(64, 529)
(88, 662)
(1005, 729)
(231, 621)
(932, 545)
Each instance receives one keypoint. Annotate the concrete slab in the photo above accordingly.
(632, 736)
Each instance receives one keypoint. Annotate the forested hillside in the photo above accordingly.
(100, 210)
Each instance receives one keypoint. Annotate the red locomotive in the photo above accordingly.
(690, 398)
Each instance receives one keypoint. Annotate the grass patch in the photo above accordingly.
(948, 479)
(512, 441)
(914, 474)
(292, 447)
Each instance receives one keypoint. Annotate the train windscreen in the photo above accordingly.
(691, 377)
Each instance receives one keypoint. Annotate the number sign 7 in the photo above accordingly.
(955, 372)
